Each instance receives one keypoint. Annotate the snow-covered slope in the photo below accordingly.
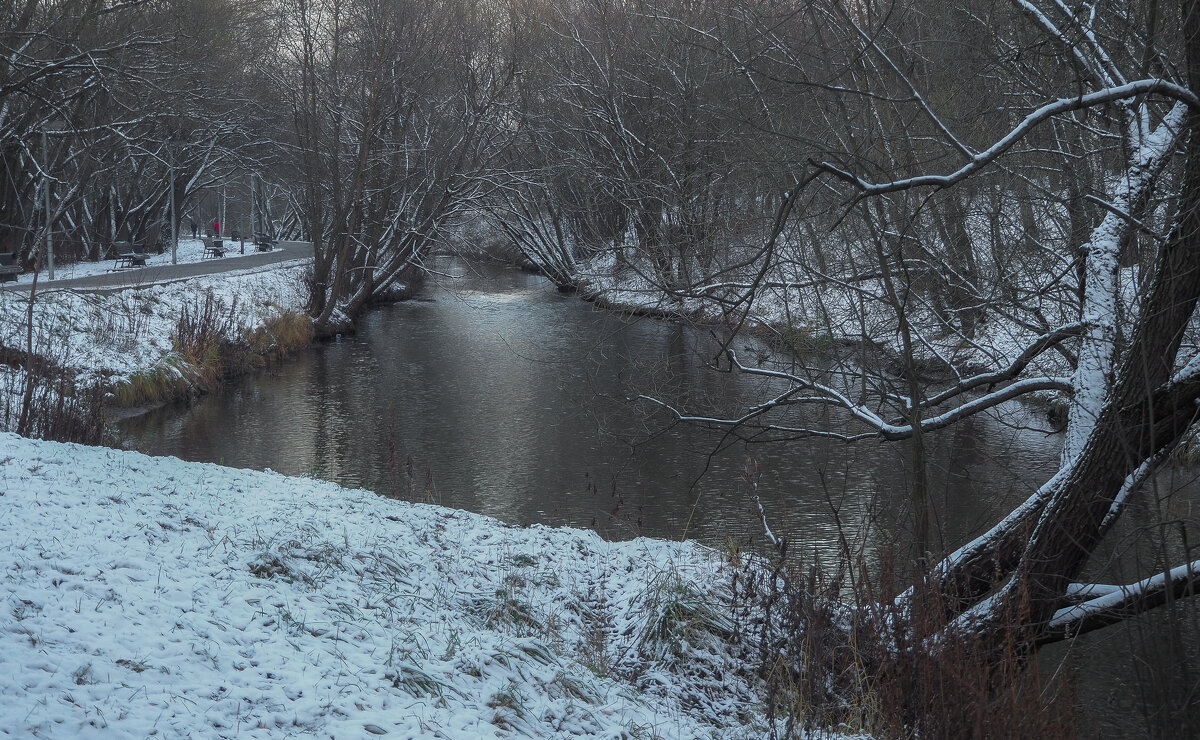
(106, 338)
(149, 597)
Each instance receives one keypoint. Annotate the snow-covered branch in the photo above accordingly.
(1152, 86)
(977, 566)
(1101, 68)
(1111, 604)
(878, 427)
(1015, 368)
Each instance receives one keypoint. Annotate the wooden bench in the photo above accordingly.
(9, 269)
(213, 248)
(127, 254)
(263, 242)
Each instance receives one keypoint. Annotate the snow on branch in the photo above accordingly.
(1102, 68)
(1114, 604)
(1132, 483)
(974, 568)
(753, 477)
(879, 427)
(1041, 115)
(1037, 347)
(1189, 373)
(1134, 222)
(1087, 591)
(891, 430)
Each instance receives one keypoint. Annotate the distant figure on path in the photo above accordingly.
(195, 228)
(216, 228)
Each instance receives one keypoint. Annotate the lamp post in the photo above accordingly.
(174, 223)
(171, 133)
(49, 126)
(253, 207)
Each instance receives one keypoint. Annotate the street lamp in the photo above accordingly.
(55, 126)
(171, 186)
(253, 208)
(171, 134)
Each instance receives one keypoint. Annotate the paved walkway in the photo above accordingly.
(157, 274)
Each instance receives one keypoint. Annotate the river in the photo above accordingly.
(498, 395)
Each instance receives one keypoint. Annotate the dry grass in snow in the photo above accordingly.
(149, 597)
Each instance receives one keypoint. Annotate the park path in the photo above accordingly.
(158, 274)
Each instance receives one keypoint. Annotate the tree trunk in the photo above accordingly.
(1144, 414)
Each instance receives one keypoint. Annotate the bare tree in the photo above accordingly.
(630, 142)
(395, 110)
(1102, 173)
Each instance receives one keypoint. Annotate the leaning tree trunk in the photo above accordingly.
(1146, 412)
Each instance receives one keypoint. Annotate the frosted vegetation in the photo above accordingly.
(143, 344)
(149, 597)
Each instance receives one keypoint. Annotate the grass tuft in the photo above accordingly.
(416, 682)
(677, 615)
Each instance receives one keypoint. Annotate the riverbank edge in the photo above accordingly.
(189, 374)
(103, 355)
(205, 354)
(788, 338)
(792, 339)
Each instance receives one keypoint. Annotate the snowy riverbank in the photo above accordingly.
(793, 309)
(107, 338)
(153, 597)
(127, 343)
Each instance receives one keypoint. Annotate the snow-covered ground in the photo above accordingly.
(104, 339)
(188, 250)
(149, 597)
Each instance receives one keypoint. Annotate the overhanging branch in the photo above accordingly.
(1041, 115)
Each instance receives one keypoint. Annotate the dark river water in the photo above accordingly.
(498, 395)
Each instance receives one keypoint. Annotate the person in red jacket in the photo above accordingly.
(216, 228)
